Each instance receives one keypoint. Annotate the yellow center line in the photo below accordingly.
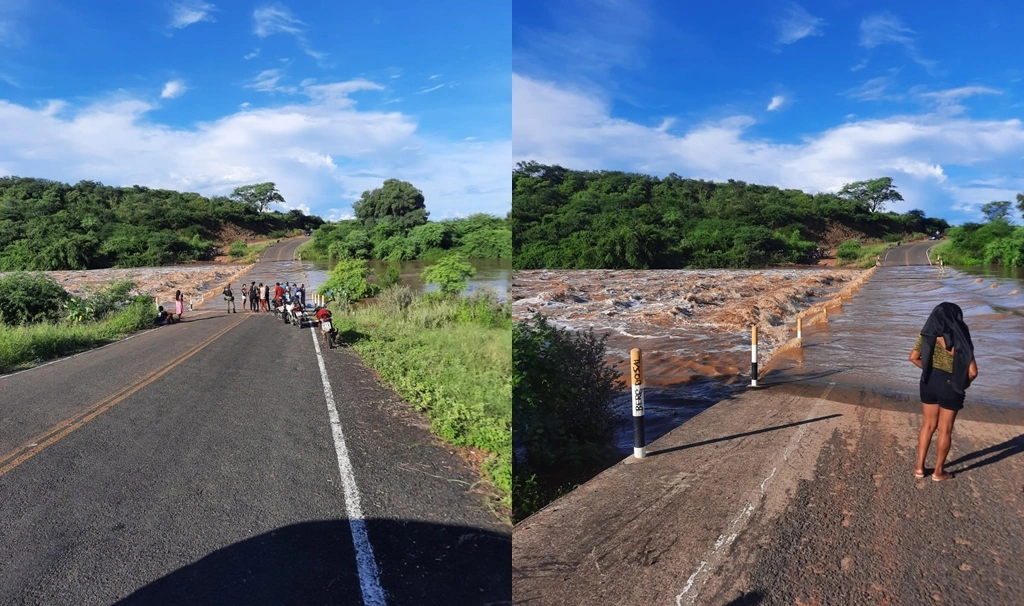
(36, 445)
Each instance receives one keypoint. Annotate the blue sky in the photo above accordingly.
(807, 95)
(326, 99)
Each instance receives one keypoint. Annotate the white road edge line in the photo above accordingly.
(736, 526)
(369, 575)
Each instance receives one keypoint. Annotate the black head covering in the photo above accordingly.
(947, 321)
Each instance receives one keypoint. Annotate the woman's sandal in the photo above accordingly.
(919, 475)
(945, 476)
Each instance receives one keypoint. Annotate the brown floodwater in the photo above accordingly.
(693, 327)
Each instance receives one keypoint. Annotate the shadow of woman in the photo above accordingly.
(992, 454)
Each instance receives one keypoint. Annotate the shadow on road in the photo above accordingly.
(998, 452)
(314, 563)
(750, 598)
(742, 435)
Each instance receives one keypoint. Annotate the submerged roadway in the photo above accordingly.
(230, 459)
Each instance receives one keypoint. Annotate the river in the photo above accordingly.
(689, 325)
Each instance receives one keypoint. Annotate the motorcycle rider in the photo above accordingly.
(323, 315)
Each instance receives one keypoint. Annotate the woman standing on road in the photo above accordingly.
(179, 304)
(945, 354)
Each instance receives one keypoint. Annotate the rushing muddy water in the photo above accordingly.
(693, 328)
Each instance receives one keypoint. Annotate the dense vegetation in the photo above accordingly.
(391, 223)
(566, 219)
(562, 394)
(48, 225)
(39, 320)
(995, 242)
(448, 356)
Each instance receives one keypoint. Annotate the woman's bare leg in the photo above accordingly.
(929, 421)
(946, 420)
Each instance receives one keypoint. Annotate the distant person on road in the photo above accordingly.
(229, 298)
(278, 291)
(266, 297)
(245, 297)
(302, 295)
(253, 298)
(945, 354)
(262, 297)
(179, 304)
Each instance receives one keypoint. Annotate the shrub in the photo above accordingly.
(31, 298)
(238, 250)
(347, 281)
(562, 414)
(450, 274)
(395, 300)
(848, 251)
(390, 278)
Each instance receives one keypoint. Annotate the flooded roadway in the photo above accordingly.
(864, 348)
(691, 326)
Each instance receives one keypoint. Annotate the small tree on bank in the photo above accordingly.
(450, 274)
(259, 196)
(872, 194)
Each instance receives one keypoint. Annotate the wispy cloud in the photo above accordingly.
(174, 88)
(887, 28)
(433, 77)
(590, 38)
(776, 103)
(431, 89)
(278, 19)
(797, 24)
(186, 12)
(949, 100)
(13, 30)
(255, 53)
(861, 65)
(874, 89)
(267, 81)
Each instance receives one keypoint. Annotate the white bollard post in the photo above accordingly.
(753, 356)
(800, 329)
(637, 371)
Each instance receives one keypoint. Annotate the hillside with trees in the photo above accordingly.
(392, 224)
(568, 219)
(48, 225)
(994, 242)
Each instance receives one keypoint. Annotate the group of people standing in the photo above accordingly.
(257, 297)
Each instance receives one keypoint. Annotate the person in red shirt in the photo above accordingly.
(278, 291)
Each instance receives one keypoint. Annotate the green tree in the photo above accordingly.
(347, 281)
(396, 201)
(872, 194)
(998, 210)
(258, 196)
(450, 274)
(1020, 204)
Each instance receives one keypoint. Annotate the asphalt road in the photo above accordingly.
(915, 253)
(198, 463)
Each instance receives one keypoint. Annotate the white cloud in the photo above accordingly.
(776, 103)
(874, 89)
(278, 19)
(886, 28)
(561, 125)
(948, 100)
(797, 24)
(187, 12)
(431, 89)
(174, 88)
(275, 19)
(321, 150)
(434, 77)
(856, 68)
(255, 53)
(267, 81)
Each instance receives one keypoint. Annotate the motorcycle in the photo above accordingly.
(296, 312)
(327, 329)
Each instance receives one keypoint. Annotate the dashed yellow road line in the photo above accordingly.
(37, 444)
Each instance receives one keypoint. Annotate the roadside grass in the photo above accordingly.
(866, 257)
(27, 345)
(248, 253)
(449, 357)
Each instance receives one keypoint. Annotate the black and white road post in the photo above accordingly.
(636, 367)
(753, 356)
